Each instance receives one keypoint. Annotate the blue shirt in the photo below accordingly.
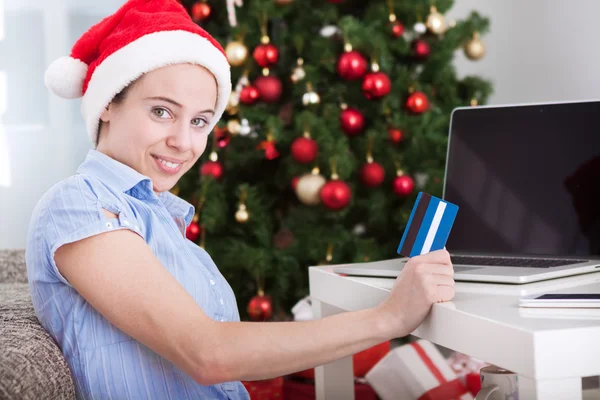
(105, 362)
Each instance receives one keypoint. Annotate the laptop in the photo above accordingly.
(526, 178)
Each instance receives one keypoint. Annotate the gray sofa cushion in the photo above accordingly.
(12, 266)
(31, 364)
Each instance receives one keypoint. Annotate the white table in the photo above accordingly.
(551, 353)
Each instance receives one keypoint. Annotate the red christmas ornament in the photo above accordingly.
(395, 135)
(249, 95)
(223, 137)
(372, 174)
(352, 121)
(335, 195)
(417, 102)
(268, 146)
(376, 85)
(397, 29)
(403, 185)
(304, 150)
(260, 307)
(266, 55)
(421, 49)
(294, 182)
(352, 65)
(213, 168)
(269, 88)
(200, 11)
(193, 231)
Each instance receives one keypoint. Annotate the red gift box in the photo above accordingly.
(268, 389)
(416, 371)
(305, 390)
(362, 362)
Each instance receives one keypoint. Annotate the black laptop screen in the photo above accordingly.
(526, 179)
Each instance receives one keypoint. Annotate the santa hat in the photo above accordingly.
(141, 36)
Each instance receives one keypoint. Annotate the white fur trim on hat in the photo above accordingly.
(148, 53)
(65, 77)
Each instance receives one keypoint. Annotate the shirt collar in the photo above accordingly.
(177, 207)
(113, 173)
(126, 179)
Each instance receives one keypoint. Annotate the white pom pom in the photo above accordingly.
(65, 77)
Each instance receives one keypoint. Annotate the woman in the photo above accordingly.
(138, 310)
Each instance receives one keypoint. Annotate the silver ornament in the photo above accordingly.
(330, 30)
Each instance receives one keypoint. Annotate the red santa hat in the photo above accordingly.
(143, 35)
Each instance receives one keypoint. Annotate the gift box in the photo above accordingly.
(416, 371)
(268, 389)
(294, 389)
(467, 369)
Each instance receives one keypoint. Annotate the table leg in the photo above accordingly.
(336, 379)
(555, 389)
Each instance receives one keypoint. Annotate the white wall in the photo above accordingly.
(537, 50)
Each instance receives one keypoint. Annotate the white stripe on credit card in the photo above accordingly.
(435, 224)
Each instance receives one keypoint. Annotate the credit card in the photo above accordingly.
(428, 227)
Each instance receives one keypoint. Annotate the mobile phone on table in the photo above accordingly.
(561, 300)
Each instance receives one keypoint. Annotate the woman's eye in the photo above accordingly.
(199, 122)
(160, 112)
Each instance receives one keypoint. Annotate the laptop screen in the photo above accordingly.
(526, 179)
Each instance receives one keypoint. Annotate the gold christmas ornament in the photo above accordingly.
(175, 190)
(233, 126)
(236, 52)
(474, 49)
(435, 22)
(309, 186)
(310, 97)
(233, 103)
(298, 73)
(242, 216)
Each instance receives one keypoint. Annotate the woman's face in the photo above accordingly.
(160, 128)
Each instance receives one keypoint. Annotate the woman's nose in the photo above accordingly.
(180, 137)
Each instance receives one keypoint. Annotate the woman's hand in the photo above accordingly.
(425, 280)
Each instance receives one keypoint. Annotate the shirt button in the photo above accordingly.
(212, 282)
(109, 225)
(137, 228)
(222, 302)
(126, 223)
(222, 319)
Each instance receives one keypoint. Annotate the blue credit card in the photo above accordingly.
(428, 227)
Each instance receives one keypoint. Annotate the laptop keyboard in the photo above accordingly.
(512, 262)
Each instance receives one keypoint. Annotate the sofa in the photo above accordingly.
(31, 363)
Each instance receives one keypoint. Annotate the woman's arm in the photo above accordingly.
(117, 273)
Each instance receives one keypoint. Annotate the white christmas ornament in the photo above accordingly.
(245, 127)
(330, 30)
(359, 229)
(420, 28)
(421, 179)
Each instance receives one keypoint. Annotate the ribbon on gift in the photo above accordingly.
(446, 390)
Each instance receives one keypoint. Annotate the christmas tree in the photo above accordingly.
(339, 117)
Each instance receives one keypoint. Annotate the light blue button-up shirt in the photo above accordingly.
(104, 361)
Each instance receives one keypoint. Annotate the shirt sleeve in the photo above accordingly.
(75, 212)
